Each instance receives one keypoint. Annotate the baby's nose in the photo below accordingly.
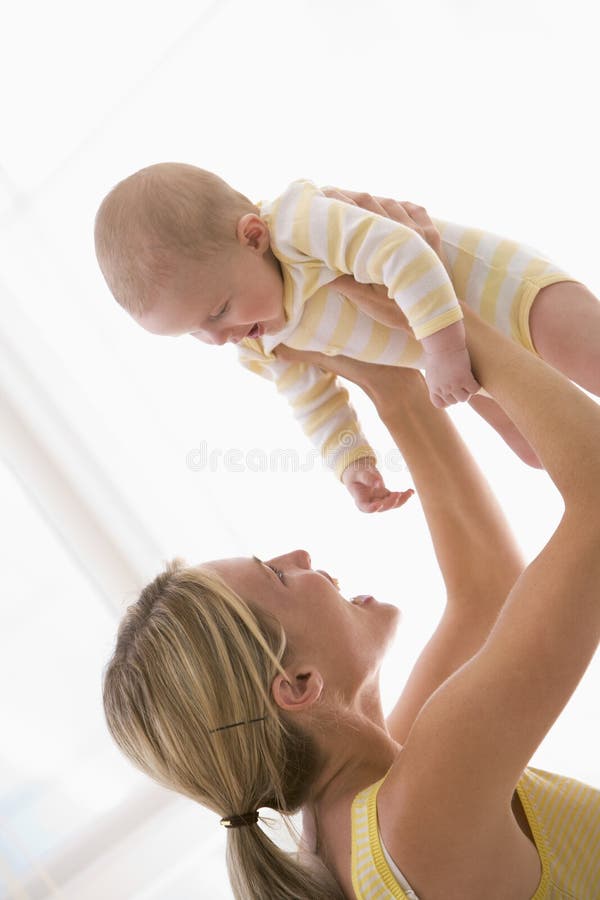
(207, 338)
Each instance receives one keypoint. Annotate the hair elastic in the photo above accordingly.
(249, 818)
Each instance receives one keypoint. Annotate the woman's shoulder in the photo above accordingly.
(471, 860)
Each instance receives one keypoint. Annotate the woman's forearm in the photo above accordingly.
(477, 554)
(560, 421)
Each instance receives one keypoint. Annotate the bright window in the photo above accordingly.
(58, 766)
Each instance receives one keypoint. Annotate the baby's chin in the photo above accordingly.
(274, 326)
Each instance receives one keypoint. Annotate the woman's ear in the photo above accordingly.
(252, 232)
(299, 690)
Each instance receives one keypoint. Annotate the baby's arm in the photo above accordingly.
(448, 369)
(323, 408)
(448, 366)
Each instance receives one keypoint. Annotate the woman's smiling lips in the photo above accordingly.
(360, 600)
(333, 580)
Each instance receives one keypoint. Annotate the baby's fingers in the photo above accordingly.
(443, 398)
(393, 500)
(457, 395)
(460, 394)
(438, 401)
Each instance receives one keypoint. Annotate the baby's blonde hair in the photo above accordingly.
(191, 659)
(157, 215)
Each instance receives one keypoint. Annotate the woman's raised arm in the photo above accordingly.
(475, 548)
(478, 557)
(471, 741)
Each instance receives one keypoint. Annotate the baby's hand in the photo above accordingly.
(449, 377)
(366, 485)
(448, 366)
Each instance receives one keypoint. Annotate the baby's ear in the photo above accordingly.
(252, 232)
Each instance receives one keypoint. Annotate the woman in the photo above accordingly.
(246, 684)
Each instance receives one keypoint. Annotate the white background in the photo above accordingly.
(482, 112)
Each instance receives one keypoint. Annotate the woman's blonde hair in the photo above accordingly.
(190, 658)
(155, 217)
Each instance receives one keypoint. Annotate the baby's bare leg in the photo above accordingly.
(493, 413)
(565, 329)
(564, 323)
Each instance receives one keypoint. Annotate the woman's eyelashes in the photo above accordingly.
(278, 572)
(221, 312)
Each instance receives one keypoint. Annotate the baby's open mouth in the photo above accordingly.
(256, 331)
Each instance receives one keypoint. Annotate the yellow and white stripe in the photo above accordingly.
(317, 239)
(564, 817)
(496, 277)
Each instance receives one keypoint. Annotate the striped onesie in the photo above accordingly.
(564, 817)
(316, 239)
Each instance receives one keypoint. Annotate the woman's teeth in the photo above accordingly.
(330, 578)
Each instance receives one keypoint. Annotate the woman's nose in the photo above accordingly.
(301, 558)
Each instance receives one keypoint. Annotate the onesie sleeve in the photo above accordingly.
(349, 240)
(319, 403)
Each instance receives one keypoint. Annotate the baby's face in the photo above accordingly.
(241, 298)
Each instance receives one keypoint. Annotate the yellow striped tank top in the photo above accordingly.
(564, 817)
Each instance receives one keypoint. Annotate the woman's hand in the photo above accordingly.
(384, 385)
(373, 299)
(403, 211)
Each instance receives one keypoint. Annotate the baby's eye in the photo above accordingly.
(221, 312)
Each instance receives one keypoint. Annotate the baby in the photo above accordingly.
(184, 253)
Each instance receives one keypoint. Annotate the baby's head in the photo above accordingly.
(184, 253)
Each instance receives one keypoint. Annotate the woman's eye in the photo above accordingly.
(221, 312)
(278, 572)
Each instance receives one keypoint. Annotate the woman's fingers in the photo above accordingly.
(355, 370)
(357, 198)
(399, 211)
(373, 299)
(383, 206)
(427, 229)
(409, 214)
(339, 365)
(282, 351)
(336, 194)
(369, 376)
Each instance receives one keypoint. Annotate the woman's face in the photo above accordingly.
(344, 640)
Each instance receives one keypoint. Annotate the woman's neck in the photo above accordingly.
(356, 756)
